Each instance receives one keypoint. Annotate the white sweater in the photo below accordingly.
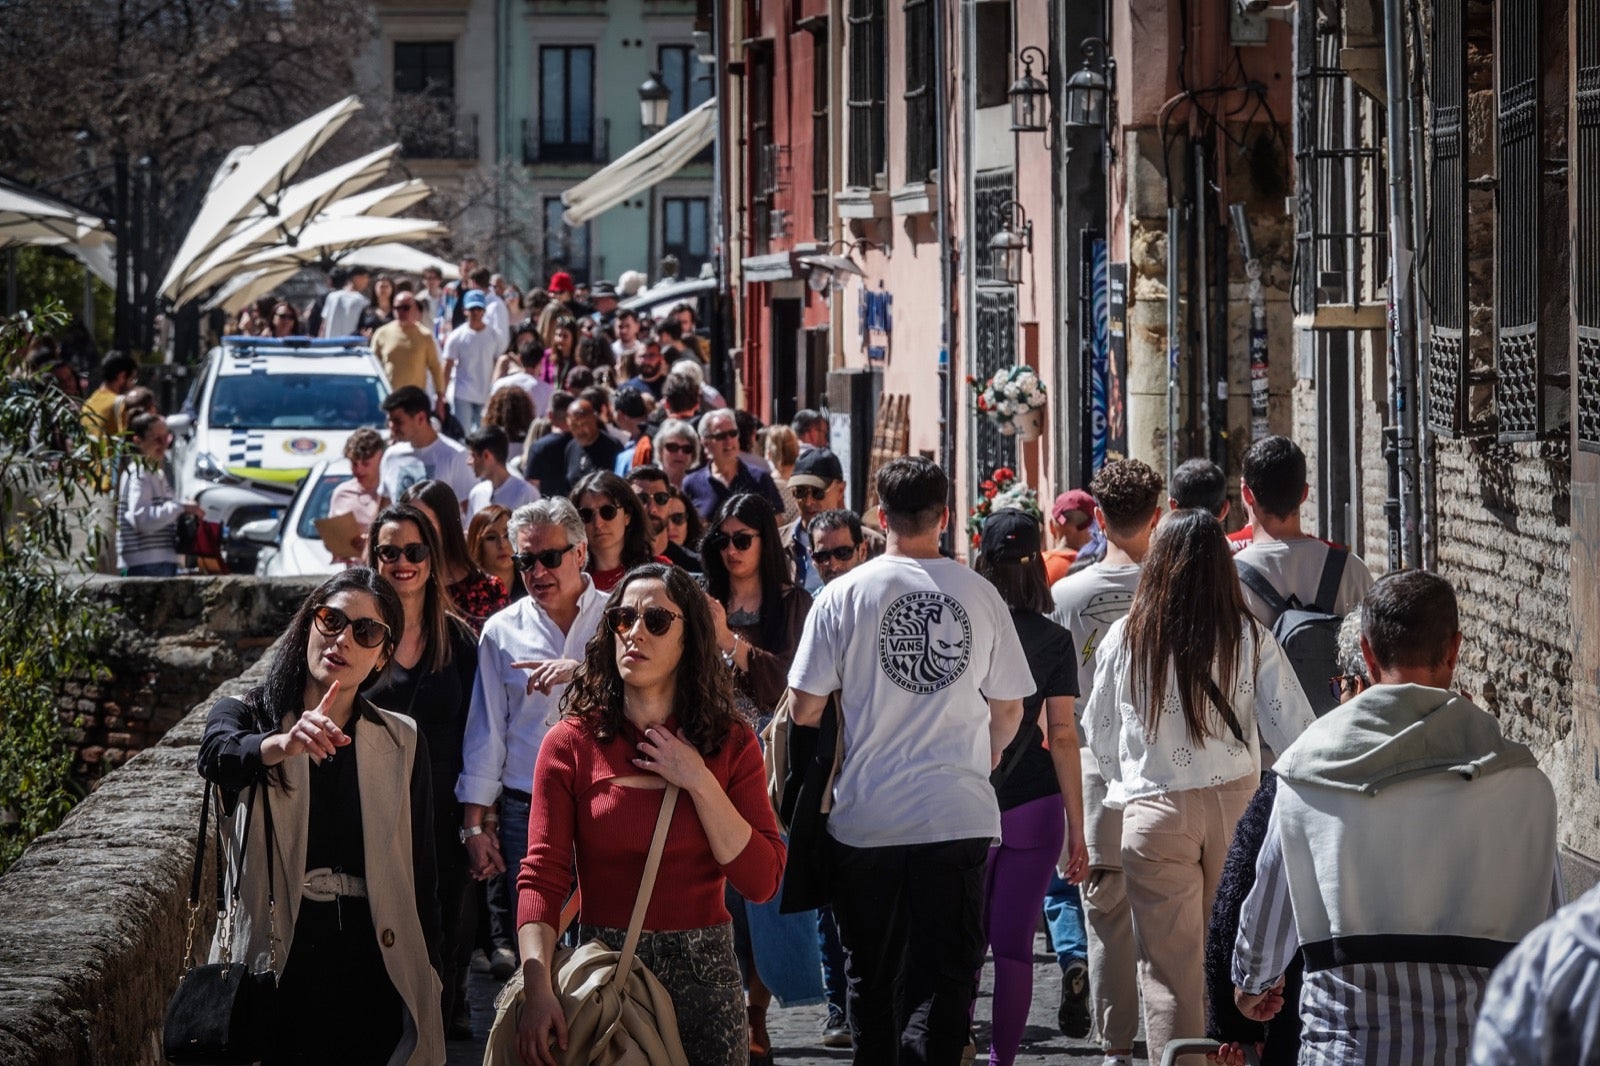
(1137, 764)
(147, 518)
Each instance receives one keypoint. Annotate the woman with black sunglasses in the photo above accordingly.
(759, 615)
(348, 920)
(429, 680)
(616, 525)
(651, 706)
(476, 593)
(684, 525)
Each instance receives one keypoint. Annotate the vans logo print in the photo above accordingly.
(925, 643)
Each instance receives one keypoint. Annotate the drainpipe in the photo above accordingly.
(1401, 434)
(1427, 513)
(948, 379)
(1174, 345)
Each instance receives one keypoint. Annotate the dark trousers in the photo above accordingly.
(911, 922)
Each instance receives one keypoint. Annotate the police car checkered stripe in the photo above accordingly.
(245, 447)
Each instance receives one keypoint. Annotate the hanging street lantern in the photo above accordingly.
(1089, 90)
(1029, 95)
(1011, 244)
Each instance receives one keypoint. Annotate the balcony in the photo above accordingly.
(556, 141)
(442, 139)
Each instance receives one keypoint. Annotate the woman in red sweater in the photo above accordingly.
(650, 705)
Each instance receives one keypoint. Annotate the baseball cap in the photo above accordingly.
(1009, 536)
(817, 468)
(1074, 500)
(560, 281)
(475, 298)
(603, 289)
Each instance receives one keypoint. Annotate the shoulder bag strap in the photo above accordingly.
(652, 864)
(197, 872)
(1257, 582)
(1332, 577)
(1224, 709)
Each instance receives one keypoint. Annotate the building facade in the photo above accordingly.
(503, 105)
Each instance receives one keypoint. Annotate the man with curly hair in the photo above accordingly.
(1103, 988)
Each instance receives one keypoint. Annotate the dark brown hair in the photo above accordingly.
(636, 536)
(437, 606)
(702, 696)
(1189, 612)
(772, 569)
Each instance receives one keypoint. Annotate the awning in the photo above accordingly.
(330, 237)
(399, 258)
(31, 217)
(655, 160)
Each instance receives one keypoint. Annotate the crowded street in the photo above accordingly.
(683, 533)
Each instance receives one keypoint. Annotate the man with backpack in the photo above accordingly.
(1294, 584)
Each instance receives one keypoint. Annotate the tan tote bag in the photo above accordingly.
(617, 1013)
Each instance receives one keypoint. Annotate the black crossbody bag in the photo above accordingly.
(222, 1012)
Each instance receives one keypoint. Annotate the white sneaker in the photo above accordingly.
(1118, 1060)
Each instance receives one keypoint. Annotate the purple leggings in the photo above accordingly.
(1013, 895)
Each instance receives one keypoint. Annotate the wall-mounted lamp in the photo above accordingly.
(1089, 90)
(1009, 245)
(826, 269)
(1029, 95)
(654, 101)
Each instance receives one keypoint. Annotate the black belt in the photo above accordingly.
(518, 794)
(1426, 949)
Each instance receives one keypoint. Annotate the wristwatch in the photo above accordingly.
(470, 831)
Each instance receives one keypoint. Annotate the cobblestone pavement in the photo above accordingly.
(796, 1032)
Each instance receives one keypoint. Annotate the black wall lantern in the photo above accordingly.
(1029, 95)
(1011, 243)
(654, 100)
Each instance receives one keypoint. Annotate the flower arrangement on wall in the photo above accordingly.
(1002, 491)
(1013, 398)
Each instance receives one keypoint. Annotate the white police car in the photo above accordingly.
(260, 415)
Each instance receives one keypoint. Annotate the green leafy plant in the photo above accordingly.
(51, 475)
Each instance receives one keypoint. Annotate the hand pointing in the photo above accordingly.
(314, 733)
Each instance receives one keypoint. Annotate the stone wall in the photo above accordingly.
(176, 641)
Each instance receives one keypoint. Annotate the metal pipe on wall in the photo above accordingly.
(1174, 343)
(947, 392)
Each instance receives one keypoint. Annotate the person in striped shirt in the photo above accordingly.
(1410, 847)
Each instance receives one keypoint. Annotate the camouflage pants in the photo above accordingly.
(699, 971)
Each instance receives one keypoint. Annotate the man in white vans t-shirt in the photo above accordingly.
(419, 452)
(930, 676)
(1273, 487)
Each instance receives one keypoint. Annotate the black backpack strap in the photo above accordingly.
(1257, 582)
(1332, 577)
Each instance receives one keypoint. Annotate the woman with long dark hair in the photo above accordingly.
(650, 706)
(1037, 783)
(685, 528)
(476, 594)
(759, 615)
(429, 680)
(350, 922)
(1187, 687)
(617, 527)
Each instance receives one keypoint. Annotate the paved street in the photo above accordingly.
(796, 1032)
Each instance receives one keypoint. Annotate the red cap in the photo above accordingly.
(561, 281)
(1074, 500)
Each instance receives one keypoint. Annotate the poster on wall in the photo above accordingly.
(1116, 361)
(1099, 353)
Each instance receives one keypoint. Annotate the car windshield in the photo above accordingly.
(318, 498)
(297, 401)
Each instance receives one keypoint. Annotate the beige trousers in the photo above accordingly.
(1113, 979)
(1173, 847)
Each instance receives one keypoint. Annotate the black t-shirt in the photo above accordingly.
(581, 461)
(1054, 663)
(546, 462)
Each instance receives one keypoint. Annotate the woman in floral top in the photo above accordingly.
(477, 594)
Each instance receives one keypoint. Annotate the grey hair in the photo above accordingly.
(1349, 646)
(689, 368)
(550, 511)
(678, 429)
(718, 414)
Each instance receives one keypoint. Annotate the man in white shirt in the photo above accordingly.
(341, 310)
(469, 355)
(495, 313)
(419, 452)
(627, 346)
(526, 657)
(487, 449)
(537, 388)
(930, 676)
(1273, 487)
(1127, 496)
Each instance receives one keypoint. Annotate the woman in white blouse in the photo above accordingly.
(1185, 688)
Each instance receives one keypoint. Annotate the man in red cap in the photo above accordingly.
(1071, 527)
(561, 286)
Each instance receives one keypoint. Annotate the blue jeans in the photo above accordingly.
(1063, 913)
(833, 981)
(151, 570)
(470, 414)
(513, 845)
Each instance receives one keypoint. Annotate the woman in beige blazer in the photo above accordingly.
(352, 926)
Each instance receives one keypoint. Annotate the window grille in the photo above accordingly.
(821, 164)
(991, 191)
(1519, 385)
(995, 326)
(869, 64)
(1586, 159)
(1446, 270)
(921, 126)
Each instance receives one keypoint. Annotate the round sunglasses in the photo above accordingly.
(525, 561)
(606, 511)
(369, 632)
(742, 540)
(657, 620)
(391, 553)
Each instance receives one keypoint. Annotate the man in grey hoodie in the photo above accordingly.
(1411, 846)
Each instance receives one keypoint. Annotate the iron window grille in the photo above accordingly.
(921, 125)
(1586, 250)
(869, 65)
(991, 192)
(995, 346)
(1449, 372)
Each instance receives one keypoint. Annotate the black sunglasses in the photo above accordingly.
(838, 555)
(607, 512)
(369, 632)
(679, 519)
(727, 434)
(807, 492)
(550, 559)
(660, 499)
(676, 448)
(391, 553)
(656, 619)
(719, 541)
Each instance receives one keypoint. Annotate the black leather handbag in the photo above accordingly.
(221, 1013)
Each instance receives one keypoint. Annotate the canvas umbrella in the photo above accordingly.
(328, 238)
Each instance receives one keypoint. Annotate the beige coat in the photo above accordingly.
(385, 750)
